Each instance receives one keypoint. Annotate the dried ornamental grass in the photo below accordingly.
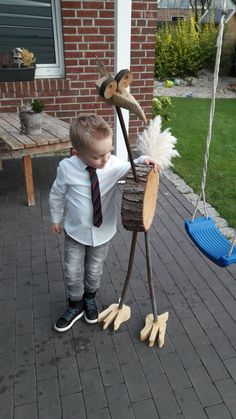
(158, 145)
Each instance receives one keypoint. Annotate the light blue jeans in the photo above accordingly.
(83, 267)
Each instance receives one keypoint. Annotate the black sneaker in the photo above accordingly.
(73, 313)
(90, 308)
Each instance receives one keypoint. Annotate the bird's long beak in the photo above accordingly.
(121, 98)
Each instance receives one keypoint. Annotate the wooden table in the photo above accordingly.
(54, 137)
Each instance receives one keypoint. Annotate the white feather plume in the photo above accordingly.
(158, 145)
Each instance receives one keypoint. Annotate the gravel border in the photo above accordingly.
(197, 87)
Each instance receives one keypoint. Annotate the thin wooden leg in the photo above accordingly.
(119, 313)
(149, 274)
(1, 168)
(131, 260)
(29, 183)
(155, 326)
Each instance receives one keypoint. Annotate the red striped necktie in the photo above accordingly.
(96, 199)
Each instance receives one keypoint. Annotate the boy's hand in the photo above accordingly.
(156, 166)
(56, 228)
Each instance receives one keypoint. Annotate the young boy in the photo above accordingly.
(84, 181)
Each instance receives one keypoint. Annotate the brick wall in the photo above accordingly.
(165, 15)
(88, 30)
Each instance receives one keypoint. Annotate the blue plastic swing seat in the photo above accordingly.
(210, 241)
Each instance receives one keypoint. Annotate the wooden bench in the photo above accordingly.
(54, 137)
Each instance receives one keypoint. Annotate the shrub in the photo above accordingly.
(161, 106)
(207, 41)
(183, 49)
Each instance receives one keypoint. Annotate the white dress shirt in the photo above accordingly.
(70, 197)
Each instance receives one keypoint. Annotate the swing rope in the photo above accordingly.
(211, 119)
(212, 113)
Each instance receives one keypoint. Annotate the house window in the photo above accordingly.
(36, 25)
(176, 18)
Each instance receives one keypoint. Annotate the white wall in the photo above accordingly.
(122, 61)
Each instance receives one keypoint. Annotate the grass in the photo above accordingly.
(189, 124)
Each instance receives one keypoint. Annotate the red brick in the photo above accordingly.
(8, 108)
(87, 29)
(66, 99)
(106, 14)
(85, 14)
(73, 38)
(12, 102)
(87, 22)
(94, 38)
(93, 5)
(109, 5)
(52, 107)
(74, 23)
(137, 5)
(106, 30)
(68, 13)
(63, 114)
(77, 84)
(69, 30)
(103, 22)
(71, 4)
(75, 54)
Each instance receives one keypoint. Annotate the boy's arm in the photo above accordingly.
(124, 167)
(148, 160)
(57, 200)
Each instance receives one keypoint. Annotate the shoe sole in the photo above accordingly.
(90, 321)
(64, 329)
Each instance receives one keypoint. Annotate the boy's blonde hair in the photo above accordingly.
(87, 128)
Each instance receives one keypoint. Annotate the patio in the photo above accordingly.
(90, 373)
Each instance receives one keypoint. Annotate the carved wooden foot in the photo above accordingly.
(155, 329)
(116, 314)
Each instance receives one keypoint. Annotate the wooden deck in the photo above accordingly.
(90, 373)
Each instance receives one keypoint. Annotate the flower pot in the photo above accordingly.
(32, 122)
(17, 74)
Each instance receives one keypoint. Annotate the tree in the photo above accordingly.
(199, 7)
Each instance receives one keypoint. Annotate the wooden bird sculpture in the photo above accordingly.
(138, 207)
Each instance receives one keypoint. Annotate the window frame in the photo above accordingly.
(56, 70)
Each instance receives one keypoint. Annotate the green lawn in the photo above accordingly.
(189, 124)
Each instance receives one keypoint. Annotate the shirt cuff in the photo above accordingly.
(140, 159)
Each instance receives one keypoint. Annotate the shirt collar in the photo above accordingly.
(83, 165)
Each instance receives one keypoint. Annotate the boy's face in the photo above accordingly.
(97, 154)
